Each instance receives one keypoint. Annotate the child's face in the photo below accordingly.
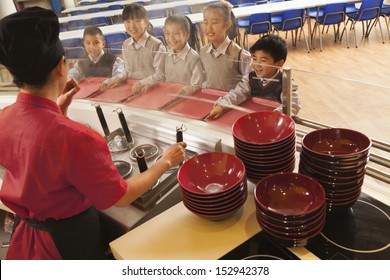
(175, 36)
(264, 65)
(215, 27)
(136, 27)
(94, 44)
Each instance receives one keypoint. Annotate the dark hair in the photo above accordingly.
(93, 30)
(187, 26)
(272, 44)
(134, 11)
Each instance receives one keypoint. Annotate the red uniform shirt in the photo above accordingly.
(54, 168)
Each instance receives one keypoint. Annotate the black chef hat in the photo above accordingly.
(29, 44)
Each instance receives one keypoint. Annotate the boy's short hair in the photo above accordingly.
(134, 11)
(272, 44)
(93, 30)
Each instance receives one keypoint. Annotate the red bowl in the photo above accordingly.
(289, 194)
(336, 143)
(255, 173)
(334, 164)
(286, 221)
(263, 128)
(211, 168)
(265, 164)
(304, 228)
(274, 155)
(266, 148)
(212, 203)
(332, 172)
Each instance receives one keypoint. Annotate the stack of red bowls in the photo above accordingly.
(265, 142)
(337, 158)
(290, 207)
(213, 185)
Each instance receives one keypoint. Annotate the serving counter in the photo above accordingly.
(170, 230)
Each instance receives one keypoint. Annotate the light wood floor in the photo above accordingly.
(345, 87)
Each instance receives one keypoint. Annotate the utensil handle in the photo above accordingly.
(125, 127)
(102, 120)
(142, 164)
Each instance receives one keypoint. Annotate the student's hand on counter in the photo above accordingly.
(174, 154)
(215, 113)
(112, 84)
(64, 100)
(137, 87)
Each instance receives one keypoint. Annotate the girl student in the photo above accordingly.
(182, 64)
(224, 61)
(143, 53)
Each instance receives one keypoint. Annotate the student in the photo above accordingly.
(182, 64)
(269, 53)
(224, 61)
(58, 172)
(100, 63)
(143, 53)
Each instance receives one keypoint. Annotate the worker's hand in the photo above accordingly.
(64, 100)
(215, 113)
(174, 154)
(146, 88)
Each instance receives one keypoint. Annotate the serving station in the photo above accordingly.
(161, 225)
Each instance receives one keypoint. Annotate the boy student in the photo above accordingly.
(100, 63)
(269, 53)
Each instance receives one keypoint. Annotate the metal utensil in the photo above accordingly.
(102, 119)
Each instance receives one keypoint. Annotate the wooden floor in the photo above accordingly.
(345, 87)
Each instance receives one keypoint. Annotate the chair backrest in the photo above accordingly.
(76, 24)
(94, 10)
(370, 9)
(99, 21)
(158, 32)
(114, 42)
(157, 1)
(292, 19)
(156, 14)
(184, 10)
(85, 3)
(115, 7)
(334, 13)
(260, 23)
(78, 12)
(73, 48)
(246, 4)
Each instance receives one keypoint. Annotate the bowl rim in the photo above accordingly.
(345, 130)
(232, 185)
(321, 193)
(264, 113)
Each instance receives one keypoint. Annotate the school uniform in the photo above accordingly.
(144, 60)
(265, 88)
(184, 67)
(104, 65)
(225, 66)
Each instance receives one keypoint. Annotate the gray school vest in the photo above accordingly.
(222, 72)
(180, 71)
(140, 62)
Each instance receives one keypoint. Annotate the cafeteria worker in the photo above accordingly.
(57, 172)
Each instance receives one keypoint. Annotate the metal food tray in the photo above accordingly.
(166, 181)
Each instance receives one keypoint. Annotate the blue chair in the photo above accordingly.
(76, 24)
(277, 17)
(385, 12)
(156, 14)
(78, 12)
(157, 1)
(85, 3)
(183, 10)
(158, 32)
(114, 42)
(100, 21)
(115, 7)
(244, 22)
(74, 48)
(293, 20)
(331, 14)
(258, 24)
(368, 14)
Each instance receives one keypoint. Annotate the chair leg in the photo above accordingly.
(320, 35)
(387, 26)
(346, 34)
(304, 36)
